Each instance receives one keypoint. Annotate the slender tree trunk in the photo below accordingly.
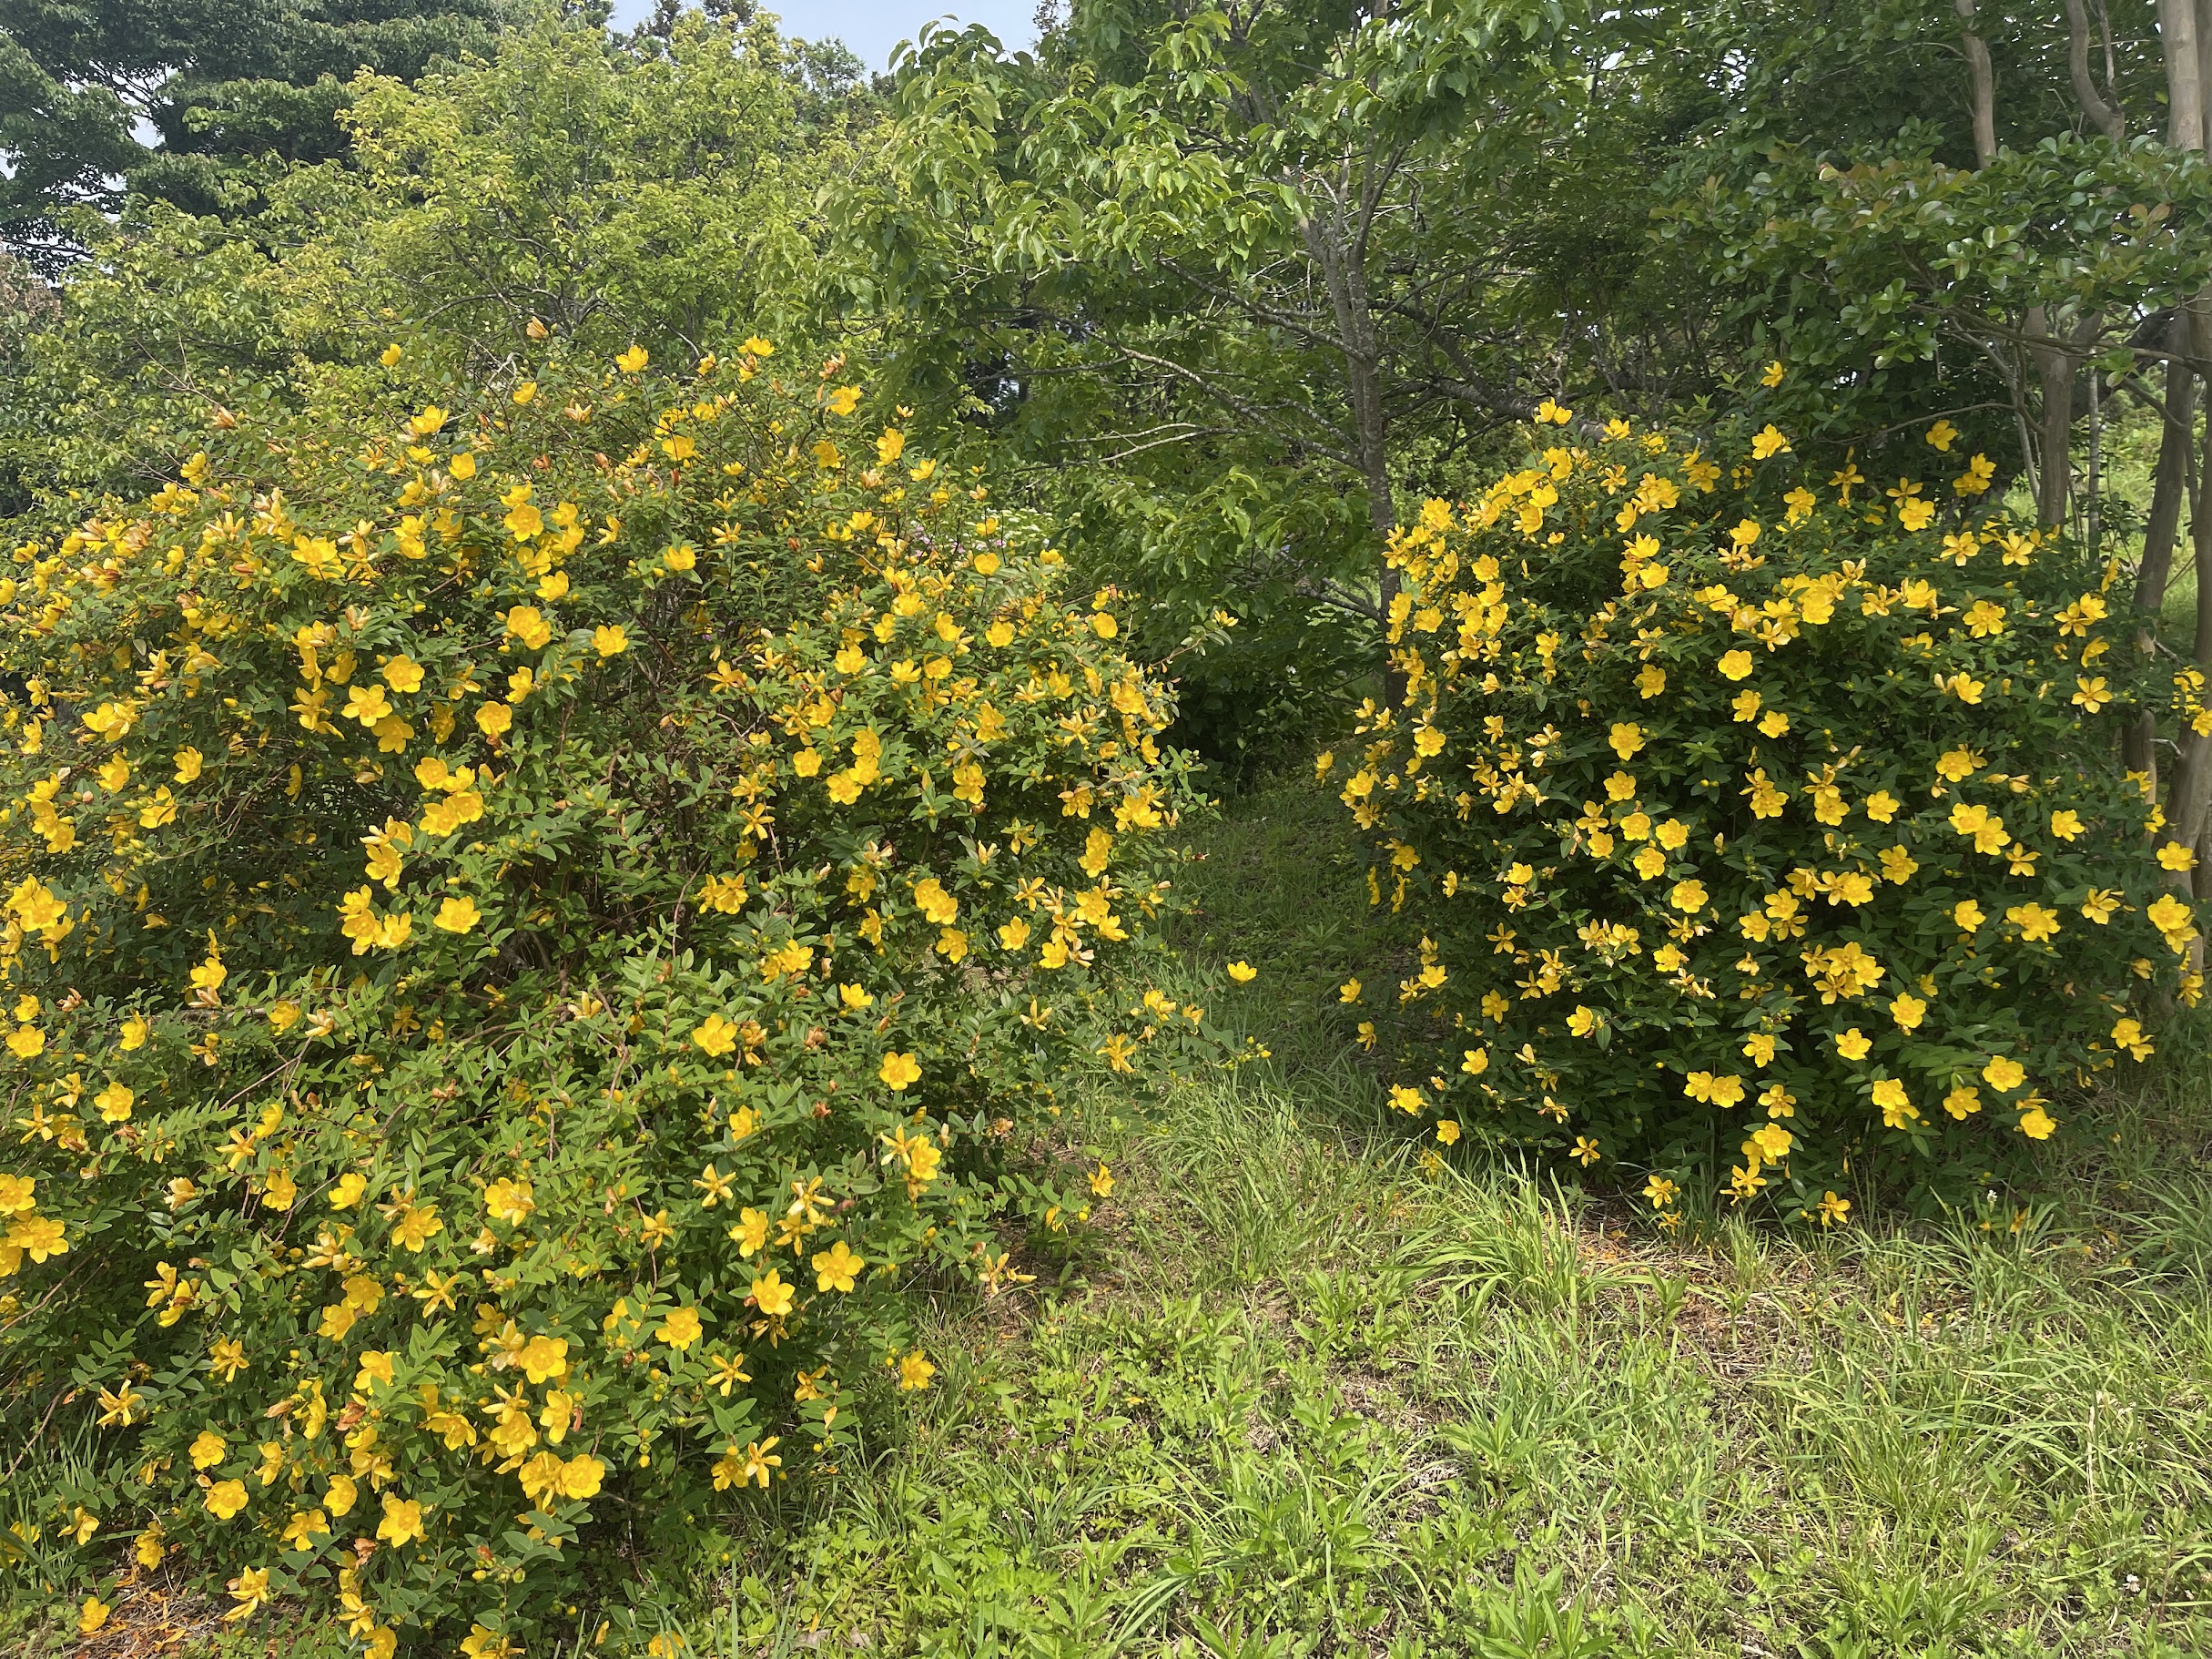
(2055, 371)
(2169, 488)
(2106, 116)
(1348, 297)
(2183, 36)
(1981, 83)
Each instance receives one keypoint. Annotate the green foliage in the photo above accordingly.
(230, 91)
(749, 827)
(656, 191)
(1753, 821)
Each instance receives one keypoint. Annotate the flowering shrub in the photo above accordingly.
(1757, 826)
(524, 927)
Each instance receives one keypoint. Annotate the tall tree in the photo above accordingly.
(1230, 267)
(170, 97)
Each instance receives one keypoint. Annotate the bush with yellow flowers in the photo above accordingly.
(525, 925)
(1759, 834)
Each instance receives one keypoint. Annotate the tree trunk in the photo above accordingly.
(2106, 116)
(1981, 83)
(1349, 300)
(2055, 371)
(2178, 35)
(2169, 487)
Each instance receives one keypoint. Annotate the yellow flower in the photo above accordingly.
(1772, 376)
(915, 1371)
(772, 1296)
(1942, 435)
(2174, 856)
(1688, 896)
(225, 1499)
(680, 1328)
(1855, 1045)
(632, 361)
(544, 1358)
(1908, 1011)
(581, 1477)
(91, 1616)
(2004, 1074)
(715, 1036)
(1447, 1131)
(403, 1520)
(458, 915)
(1626, 739)
(1895, 1103)
(1585, 1151)
(1242, 971)
(899, 1070)
(1736, 665)
(610, 640)
(2036, 1123)
(837, 1267)
(250, 1590)
(1769, 442)
(1660, 1191)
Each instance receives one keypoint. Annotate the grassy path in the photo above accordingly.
(1310, 1397)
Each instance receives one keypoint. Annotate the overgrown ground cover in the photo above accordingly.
(1301, 1392)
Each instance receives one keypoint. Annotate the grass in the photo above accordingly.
(1301, 1394)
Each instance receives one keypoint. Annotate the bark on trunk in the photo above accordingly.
(2055, 371)
(2177, 33)
(1981, 83)
(2169, 488)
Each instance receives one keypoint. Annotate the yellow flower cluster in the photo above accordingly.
(1709, 808)
(555, 912)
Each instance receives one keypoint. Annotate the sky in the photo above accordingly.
(872, 27)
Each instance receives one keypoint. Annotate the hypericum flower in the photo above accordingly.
(772, 1296)
(915, 1371)
(403, 1520)
(838, 1267)
(250, 1590)
(1242, 971)
(715, 1036)
(1768, 442)
(2004, 1074)
(225, 1499)
(458, 915)
(680, 1328)
(899, 1070)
